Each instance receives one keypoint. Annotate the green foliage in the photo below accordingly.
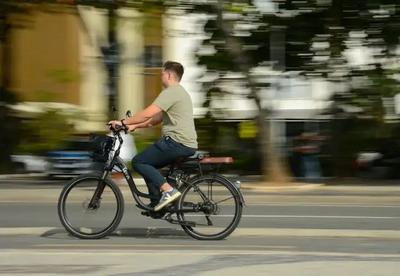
(142, 141)
(46, 132)
(223, 139)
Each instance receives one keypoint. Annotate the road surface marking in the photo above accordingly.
(239, 232)
(115, 252)
(298, 216)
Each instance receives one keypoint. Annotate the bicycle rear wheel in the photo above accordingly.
(85, 221)
(212, 208)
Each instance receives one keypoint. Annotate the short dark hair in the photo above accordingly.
(175, 67)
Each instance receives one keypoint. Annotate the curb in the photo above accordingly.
(301, 187)
(265, 187)
(22, 175)
(35, 177)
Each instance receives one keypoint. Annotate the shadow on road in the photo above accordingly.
(149, 232)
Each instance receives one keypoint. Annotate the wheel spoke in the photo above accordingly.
(201, 193)
(213, 221)
(82, 221)
(224, 200)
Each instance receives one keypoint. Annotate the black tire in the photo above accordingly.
(111, 191)
(196, 231)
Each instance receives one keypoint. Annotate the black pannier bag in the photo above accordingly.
(101, 146)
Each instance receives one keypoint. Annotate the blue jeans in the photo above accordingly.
(162, 153)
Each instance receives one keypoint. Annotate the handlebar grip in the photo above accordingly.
(118, 128)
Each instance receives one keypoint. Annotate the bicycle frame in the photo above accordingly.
(119, 163)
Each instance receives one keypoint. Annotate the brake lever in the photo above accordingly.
(118, 128)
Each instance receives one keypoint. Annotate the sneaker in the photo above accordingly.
(166, 198)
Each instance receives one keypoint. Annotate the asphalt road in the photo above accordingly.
(305, 230)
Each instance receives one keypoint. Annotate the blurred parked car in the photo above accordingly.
(71, 160)
(75, 158)
(25, 163)
(378, 165)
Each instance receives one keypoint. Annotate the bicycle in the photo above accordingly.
(91, 206)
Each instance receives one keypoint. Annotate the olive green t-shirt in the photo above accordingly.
(178, 122)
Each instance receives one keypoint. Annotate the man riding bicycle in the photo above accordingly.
(173, 107)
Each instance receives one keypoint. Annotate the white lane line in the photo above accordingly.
(341, 205)
(148, 246)
(24, 230)
(308, 216)
(171, 253)
(249, 203)
(239, 232)
(298, 216)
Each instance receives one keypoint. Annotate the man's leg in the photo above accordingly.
(164, 152)
(169, 194)
(146, 164)
(154, 191)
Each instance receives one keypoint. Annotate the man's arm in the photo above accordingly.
(152, 115)
(158, 118)
(151, 112)
(149, 123)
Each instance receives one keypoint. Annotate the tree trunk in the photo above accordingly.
(273, 167)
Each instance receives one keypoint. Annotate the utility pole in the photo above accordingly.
(111, 60)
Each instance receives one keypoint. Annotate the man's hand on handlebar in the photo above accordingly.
(117, 125)
(117, 128)
(114, 124)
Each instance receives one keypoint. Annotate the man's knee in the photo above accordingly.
(136, 163)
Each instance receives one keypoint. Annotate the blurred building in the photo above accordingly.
(56, 58)
(56, 61)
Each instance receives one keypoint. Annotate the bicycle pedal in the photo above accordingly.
(154, 215)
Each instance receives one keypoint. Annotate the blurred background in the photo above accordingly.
(293, 90)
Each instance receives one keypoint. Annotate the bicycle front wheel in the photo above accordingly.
(83, 220)
(210, 208)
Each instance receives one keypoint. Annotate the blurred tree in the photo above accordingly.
(9, 128)
(316, 38)
(48, 131)
(238, 40)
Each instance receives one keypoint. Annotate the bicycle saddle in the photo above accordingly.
(198, 155)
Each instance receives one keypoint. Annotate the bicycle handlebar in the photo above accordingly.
(118, 129)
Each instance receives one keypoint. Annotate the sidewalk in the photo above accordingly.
(252, 193)
(322, 187)
(35, 178)
(250, 184)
